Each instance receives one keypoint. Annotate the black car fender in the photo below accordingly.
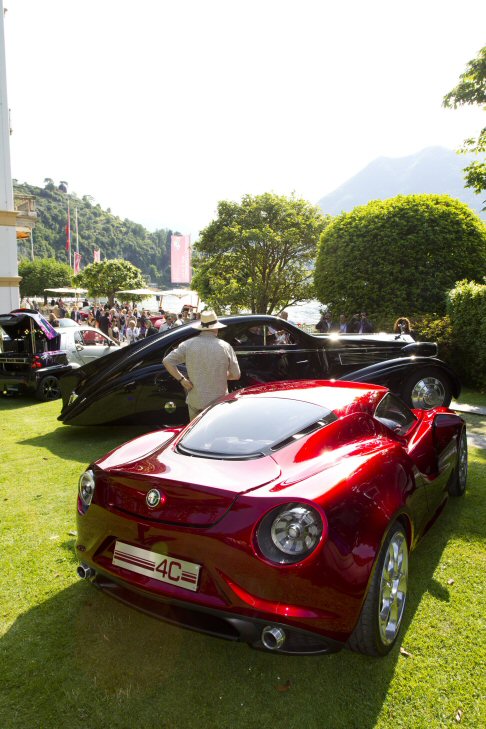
(57, 370)
(393, 372)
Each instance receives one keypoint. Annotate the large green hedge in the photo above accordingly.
(467, 310)
(399, 256)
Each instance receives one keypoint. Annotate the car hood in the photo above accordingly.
(194, 492)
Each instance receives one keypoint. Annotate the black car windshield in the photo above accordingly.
(251, 427)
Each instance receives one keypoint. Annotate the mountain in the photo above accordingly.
(433, 170)
(97, 228)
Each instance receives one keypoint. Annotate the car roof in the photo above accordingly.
(339, 396)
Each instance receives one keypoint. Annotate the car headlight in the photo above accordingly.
(289, 533)
(86, 488)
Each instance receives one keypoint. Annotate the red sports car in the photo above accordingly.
(282, 516)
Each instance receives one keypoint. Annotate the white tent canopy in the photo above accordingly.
(66, 290)
(140, 292)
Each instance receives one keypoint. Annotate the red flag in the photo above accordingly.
(77, 262)
(180, 259)
(97, 256)
(68, 231)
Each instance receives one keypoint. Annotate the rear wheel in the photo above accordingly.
(457, 484)
(381, 616)
(48, 388)
(427, 388)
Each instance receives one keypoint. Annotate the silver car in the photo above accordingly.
(83, 343)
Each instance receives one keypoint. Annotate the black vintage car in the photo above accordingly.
(132, 385)
(31, 360)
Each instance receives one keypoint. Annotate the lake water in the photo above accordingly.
(307, 312)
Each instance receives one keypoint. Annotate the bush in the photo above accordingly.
(399, 255)
(430, 328)
(467, 310)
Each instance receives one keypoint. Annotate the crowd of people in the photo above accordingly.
(357, 324)
(124, 322)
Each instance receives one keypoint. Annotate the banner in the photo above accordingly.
(97, 256)
(77, 262)
(180, 259)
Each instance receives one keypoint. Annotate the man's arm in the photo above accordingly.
(177, 356)
(234, 372)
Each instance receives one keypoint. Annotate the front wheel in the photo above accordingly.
(381, 616)
(48, 388)
(428, 388)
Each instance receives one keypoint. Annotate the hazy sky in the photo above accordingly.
(159, 109)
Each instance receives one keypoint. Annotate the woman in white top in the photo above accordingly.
(132, 333)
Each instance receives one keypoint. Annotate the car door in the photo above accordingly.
(161, 400)
(266, 354)
(91, 344)
(415, 434)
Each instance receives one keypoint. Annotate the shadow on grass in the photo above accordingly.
(84, 444)
(17, 402)
(85, 657)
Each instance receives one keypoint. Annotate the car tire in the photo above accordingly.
(382, 612)
(427, 388)
(458, 480)
(48, 388)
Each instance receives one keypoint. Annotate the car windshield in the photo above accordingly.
(252, 427)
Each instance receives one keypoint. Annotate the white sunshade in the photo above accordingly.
(67, 290)
(180, 293)
(140, 292)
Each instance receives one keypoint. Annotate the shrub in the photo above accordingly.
(399, 255)
(431, 328)
(467, 309)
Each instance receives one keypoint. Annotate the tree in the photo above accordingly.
(108, 277)
(399, 256)
(97, 228)
(471, 89)
(43, 272)
(257, 254)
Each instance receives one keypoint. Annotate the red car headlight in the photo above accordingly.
(289, 533)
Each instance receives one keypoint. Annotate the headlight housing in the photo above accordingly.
(289, 533)
(86, 489)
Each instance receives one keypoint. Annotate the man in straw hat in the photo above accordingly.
(210, 363)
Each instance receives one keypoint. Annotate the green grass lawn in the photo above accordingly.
(72, 657)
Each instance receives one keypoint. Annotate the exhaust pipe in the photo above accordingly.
(85, 572)
(273, 638)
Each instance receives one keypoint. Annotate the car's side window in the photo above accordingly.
(263, 335)
(93, 337)
(393, 413)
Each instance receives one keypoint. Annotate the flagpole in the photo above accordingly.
(76, 224)
(68, 234)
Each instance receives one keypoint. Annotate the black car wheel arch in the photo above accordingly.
(427, 388)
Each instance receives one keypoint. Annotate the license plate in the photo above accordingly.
(158, 566)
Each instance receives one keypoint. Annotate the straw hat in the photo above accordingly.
(208, 320)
